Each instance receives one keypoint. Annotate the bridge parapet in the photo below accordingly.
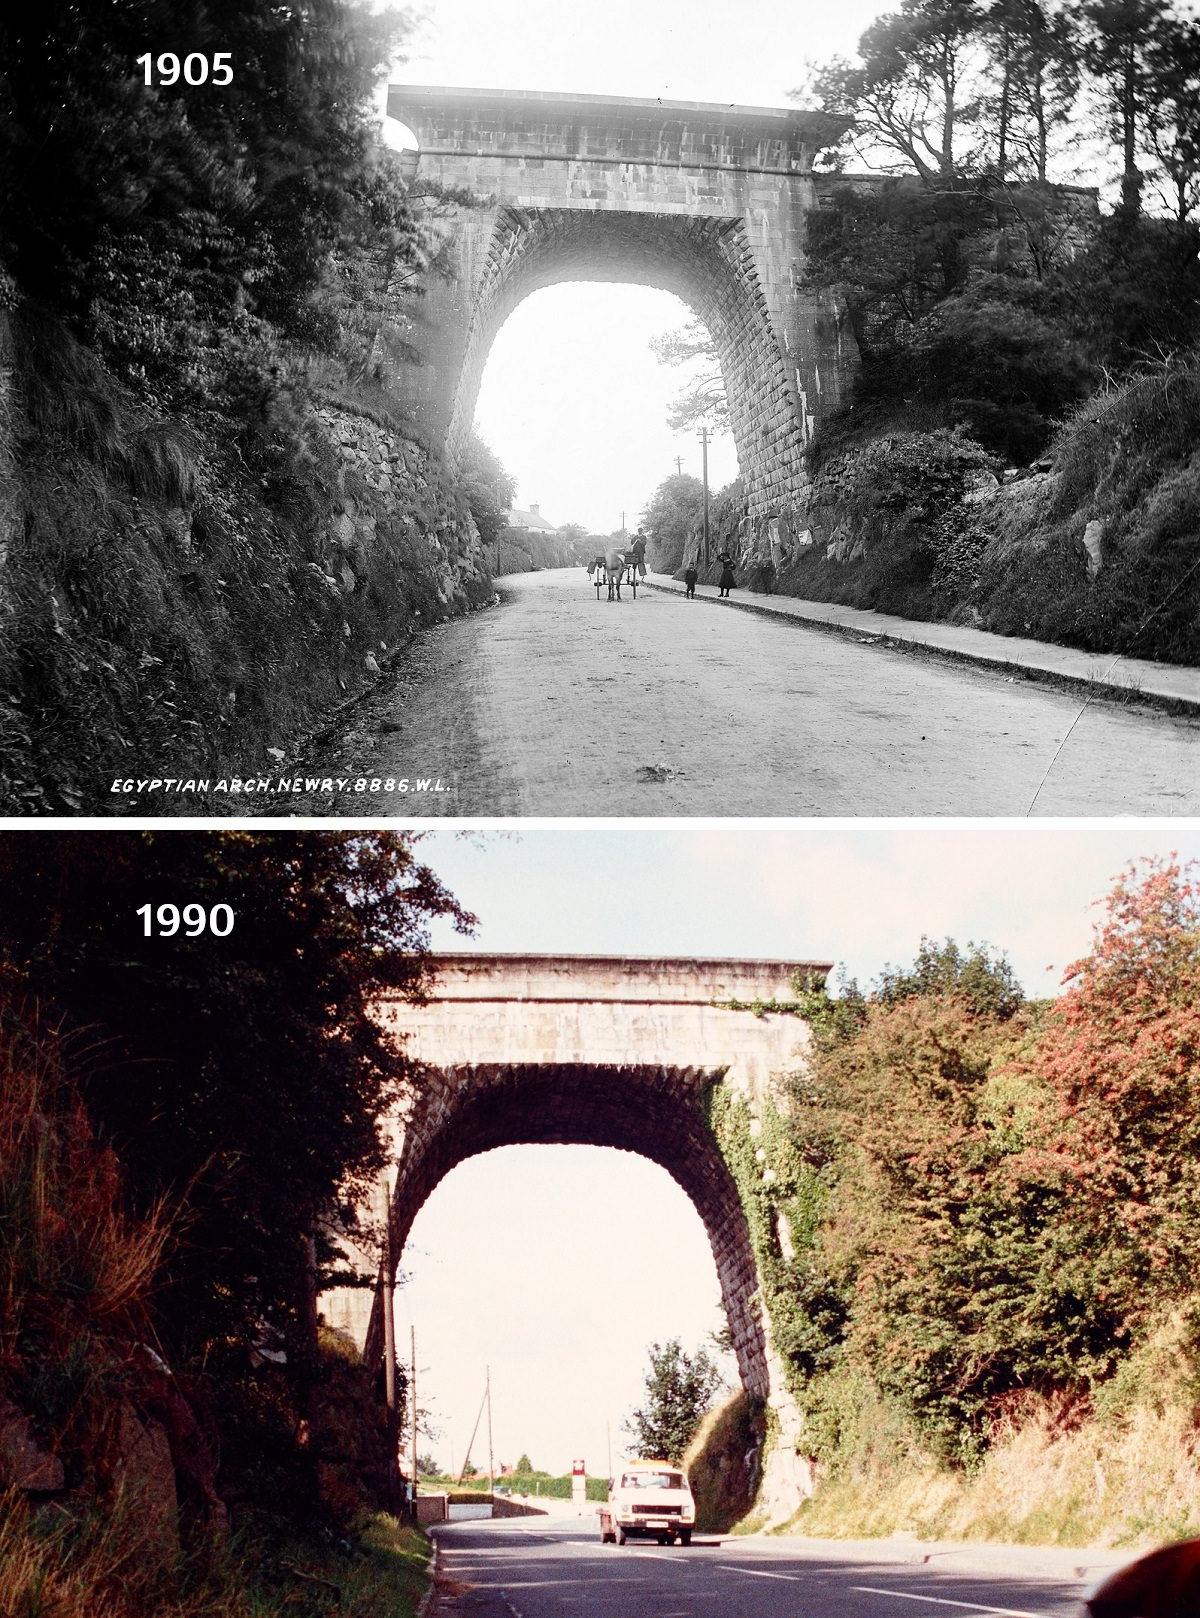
(556, 128)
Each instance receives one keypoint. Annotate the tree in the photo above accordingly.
(918, 91)
(1119, 47)
(1035, 64)
(1173, 112)
(925, 1239)
(524, 1465)
(243, 1076)
(675, 508)
(488, 487)
(983, 977)
(189, 234)
(1120, 1140)
(679, 1389)
(702, 401)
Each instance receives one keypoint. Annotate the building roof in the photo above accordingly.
(529, 519)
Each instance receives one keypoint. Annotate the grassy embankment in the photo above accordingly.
(1125, 1474)
(893, 532)
(173, 606)
(99, 1530)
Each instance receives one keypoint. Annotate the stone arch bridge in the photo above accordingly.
(614, 1051)
(708, 202)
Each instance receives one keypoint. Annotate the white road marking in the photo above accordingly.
(943, 1601)
(754, 1573)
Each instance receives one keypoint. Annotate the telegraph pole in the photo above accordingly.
(389, 1341)
(412, 1398)
(491, 1467)
(679, 466)
(704, 451)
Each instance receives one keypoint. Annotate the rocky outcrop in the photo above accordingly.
(389, 479)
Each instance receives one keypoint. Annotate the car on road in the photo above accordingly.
(650, 1498)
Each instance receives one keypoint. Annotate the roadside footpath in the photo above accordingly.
(1113, 677)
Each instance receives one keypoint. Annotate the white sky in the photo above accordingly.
(572, 401)
(520, 1259)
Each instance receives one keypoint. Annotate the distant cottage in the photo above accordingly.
(531, 521)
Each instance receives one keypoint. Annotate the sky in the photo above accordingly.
(521, 1261)
(572, 400)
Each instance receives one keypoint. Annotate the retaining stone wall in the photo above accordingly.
(387, 480)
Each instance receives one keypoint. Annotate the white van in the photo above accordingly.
(650, 1498)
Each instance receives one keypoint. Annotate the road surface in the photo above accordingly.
(536, 1567)
(554, 703)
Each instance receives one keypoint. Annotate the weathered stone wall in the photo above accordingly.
(707, 202)
(398, 479)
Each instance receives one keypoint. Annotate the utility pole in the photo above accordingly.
(704, 449)
(491, 1467)
(412, 1398)
(389, 1340)
(679, 466)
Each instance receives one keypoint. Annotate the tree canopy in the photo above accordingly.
(679, 1389)
(993, 1200)
(241, 1077)
(191, 233)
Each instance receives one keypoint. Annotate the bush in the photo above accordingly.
(1129, 458)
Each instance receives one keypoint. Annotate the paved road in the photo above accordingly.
(555, 703)
(541, 1568)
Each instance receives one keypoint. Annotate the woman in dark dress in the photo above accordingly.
(727, 579)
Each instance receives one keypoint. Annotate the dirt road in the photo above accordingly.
(555, 703)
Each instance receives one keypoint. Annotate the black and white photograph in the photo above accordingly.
(609, 410)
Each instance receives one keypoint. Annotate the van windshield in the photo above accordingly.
(652, 1480)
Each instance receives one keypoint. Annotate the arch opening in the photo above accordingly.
(575, 403)
(534, 1263)
(706, 262)
(656, 1112)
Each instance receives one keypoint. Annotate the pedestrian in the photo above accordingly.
(637, 553)
(689, 578)
(727, 579)
(767, 578)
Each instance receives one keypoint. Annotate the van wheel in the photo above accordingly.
(685, 1536)
(618, 1533)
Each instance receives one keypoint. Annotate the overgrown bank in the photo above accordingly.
(173, 608)
(179, 1434)
(973, 1224)
(214, 523)
(1097, 548)
(118, 1476)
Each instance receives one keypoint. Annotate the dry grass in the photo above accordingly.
(72, 1261)
(60, 1565)
(1126, 1474)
